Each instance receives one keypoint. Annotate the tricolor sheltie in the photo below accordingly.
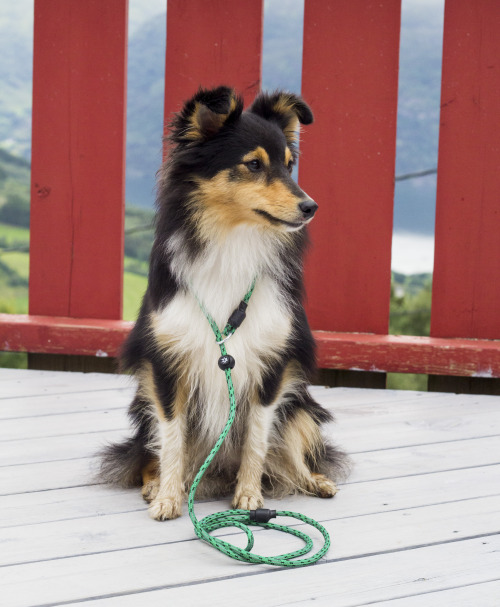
(229, 212)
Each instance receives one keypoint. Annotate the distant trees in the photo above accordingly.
(411, 311)
(16, 210)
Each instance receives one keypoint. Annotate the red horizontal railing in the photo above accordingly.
(348, 351)
(350, 78)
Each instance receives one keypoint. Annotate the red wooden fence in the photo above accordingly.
(78, 158)
(350, 77)
(466, 286)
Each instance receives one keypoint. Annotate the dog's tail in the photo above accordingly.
(122, 463)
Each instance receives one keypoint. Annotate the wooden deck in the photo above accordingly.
(417, 524)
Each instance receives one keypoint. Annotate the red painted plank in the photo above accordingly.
(212, 42)
(78, 153)
(407, 354)
(353, 351)
(61, 335)
(350, 78)
(466, 287)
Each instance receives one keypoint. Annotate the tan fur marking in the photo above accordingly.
(292, 130)
(223, 204)
(288, 156)
(258, 154)
(195, 130)
(285, 107)
(147, 389)
(302, 434)
(301, 438)
(150, 471)
(232, 105)
(293, 375)
(150, 480)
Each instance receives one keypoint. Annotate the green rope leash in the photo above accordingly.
(243, 518)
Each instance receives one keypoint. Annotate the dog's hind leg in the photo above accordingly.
(302, 445)
(248, 493)
(150, 479)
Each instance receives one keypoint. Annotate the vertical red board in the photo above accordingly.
(209, 43)
(78, 158)
(350, 79)
(466, 285)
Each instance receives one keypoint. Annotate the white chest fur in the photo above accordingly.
(220, 280)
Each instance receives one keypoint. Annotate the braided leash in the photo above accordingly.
(243, 518)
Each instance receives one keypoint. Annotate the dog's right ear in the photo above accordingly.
(205, 114)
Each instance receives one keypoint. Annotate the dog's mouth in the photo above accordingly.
(277, 221)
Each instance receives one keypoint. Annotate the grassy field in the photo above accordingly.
(14, 274)
(14, 234)
(134, 287)
(19, 262)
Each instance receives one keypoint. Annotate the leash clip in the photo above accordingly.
(225, 339)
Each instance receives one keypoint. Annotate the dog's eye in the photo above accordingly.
(254, 165)
(290, 166)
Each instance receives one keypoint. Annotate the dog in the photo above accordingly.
(228, 213)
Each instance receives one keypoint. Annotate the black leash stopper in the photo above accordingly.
(238, 315)
(226, 362)
(261, 515)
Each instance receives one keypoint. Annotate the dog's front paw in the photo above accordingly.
(165, 509)
(247, 500)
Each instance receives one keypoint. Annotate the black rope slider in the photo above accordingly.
(238, 315)
(262, 515)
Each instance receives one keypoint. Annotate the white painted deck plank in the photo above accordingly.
(54, 473)
(63, 425)
(62, 404)
(127, 572)
(96, 534)
(62, 502)
(21, 382)
(485, 594)
(56, 448)
(183, 562)
(422, 572)
(425, 491)
(366, 428)
(43, 507)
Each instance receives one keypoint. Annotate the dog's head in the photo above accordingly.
(239, 163)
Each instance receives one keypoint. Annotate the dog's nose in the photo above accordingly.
(308, 208)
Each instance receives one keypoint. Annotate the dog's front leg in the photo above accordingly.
(168, 501)
(248, 494)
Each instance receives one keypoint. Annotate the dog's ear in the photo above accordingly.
(287, 109)
(205, 114)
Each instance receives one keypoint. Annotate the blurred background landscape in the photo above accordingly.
(417, 139)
